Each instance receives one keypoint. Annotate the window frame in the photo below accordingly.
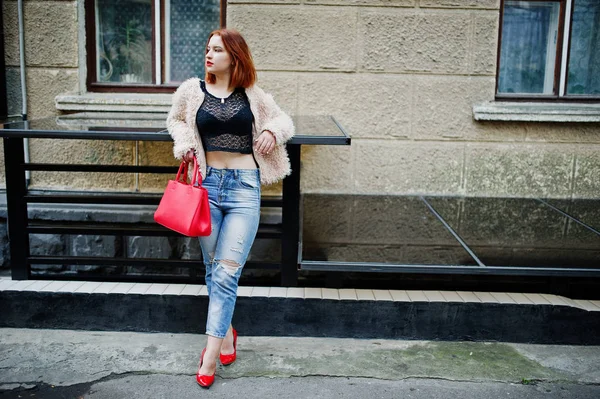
(90, 42)
(561, 67)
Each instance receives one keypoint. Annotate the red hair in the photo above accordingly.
(243, 73)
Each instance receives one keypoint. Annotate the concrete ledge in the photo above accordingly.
(121, 102)
(315, 312)
(536, 112)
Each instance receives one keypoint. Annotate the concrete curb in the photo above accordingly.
(299, 312)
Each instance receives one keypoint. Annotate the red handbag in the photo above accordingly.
(184, 207)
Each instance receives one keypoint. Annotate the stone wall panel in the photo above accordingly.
(51, 33)
(86, 152)
(155, 153)
(492, 4)
(584, 210)
(395, 221)
(408, 41)
(319, 39)
(368, 3)
(328, 168)
(510, 222)
(560, 132)
(515, 170)
(437, 255)
(441, 42)
(443, 107)
(43, 85)
(578, 236)
(385, 40)
(283, 87)
(587, 173)
(485, 43)
(327, 218)
(367, 106)
(289, 2)
(353, 253)
(409, 168)
(11, 33)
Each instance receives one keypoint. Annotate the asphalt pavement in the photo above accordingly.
(51, 364)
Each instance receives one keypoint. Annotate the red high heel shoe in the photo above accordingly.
(226, 360)
(204, 381)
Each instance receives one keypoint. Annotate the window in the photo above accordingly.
(549, 50)
(147, 45)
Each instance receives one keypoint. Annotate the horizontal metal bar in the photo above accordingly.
(106, 261)
(126, 229)
(101, 229)
(86, 135)
(446, 269)
(133, 278)
(271, 202)
(140, 278)
(98, 168)
(100, 260)
(127, 199)
(323, 140)
(146, 136)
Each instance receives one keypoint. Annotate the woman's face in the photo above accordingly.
(218, 59)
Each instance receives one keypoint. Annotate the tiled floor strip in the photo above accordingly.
(90, 287)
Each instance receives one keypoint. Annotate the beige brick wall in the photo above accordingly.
(402, 78)
(51, 56)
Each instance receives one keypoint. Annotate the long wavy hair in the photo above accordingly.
(243, 73)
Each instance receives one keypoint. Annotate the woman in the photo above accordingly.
(237, 132)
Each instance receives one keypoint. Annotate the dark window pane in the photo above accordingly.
(584, 57)
(124, 41)
(189, 24)
(528, 48)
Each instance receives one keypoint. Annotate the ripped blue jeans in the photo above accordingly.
(234, 196)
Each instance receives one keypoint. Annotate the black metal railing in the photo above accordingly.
(313, 130)
(20, 226)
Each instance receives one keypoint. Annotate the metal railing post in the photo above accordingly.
(291, 225)
(14, 159)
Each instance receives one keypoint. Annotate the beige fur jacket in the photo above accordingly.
(182, 127)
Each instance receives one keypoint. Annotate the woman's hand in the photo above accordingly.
(265, 143)
(189, 156)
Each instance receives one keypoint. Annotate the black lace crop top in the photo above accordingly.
(225, 124)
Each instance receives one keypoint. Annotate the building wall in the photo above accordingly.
(401, 76)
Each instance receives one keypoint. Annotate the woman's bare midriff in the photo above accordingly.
(230, 160)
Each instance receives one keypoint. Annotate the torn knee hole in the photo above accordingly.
(230, 266)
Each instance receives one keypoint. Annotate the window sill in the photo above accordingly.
(536, 112)
(111, 102)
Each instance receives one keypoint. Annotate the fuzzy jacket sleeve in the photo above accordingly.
(277, 121)
(177, 126)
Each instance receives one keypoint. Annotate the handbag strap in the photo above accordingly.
(183, 172)
(182, 168)
(197, 174)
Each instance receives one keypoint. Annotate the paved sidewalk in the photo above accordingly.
(40, 363)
